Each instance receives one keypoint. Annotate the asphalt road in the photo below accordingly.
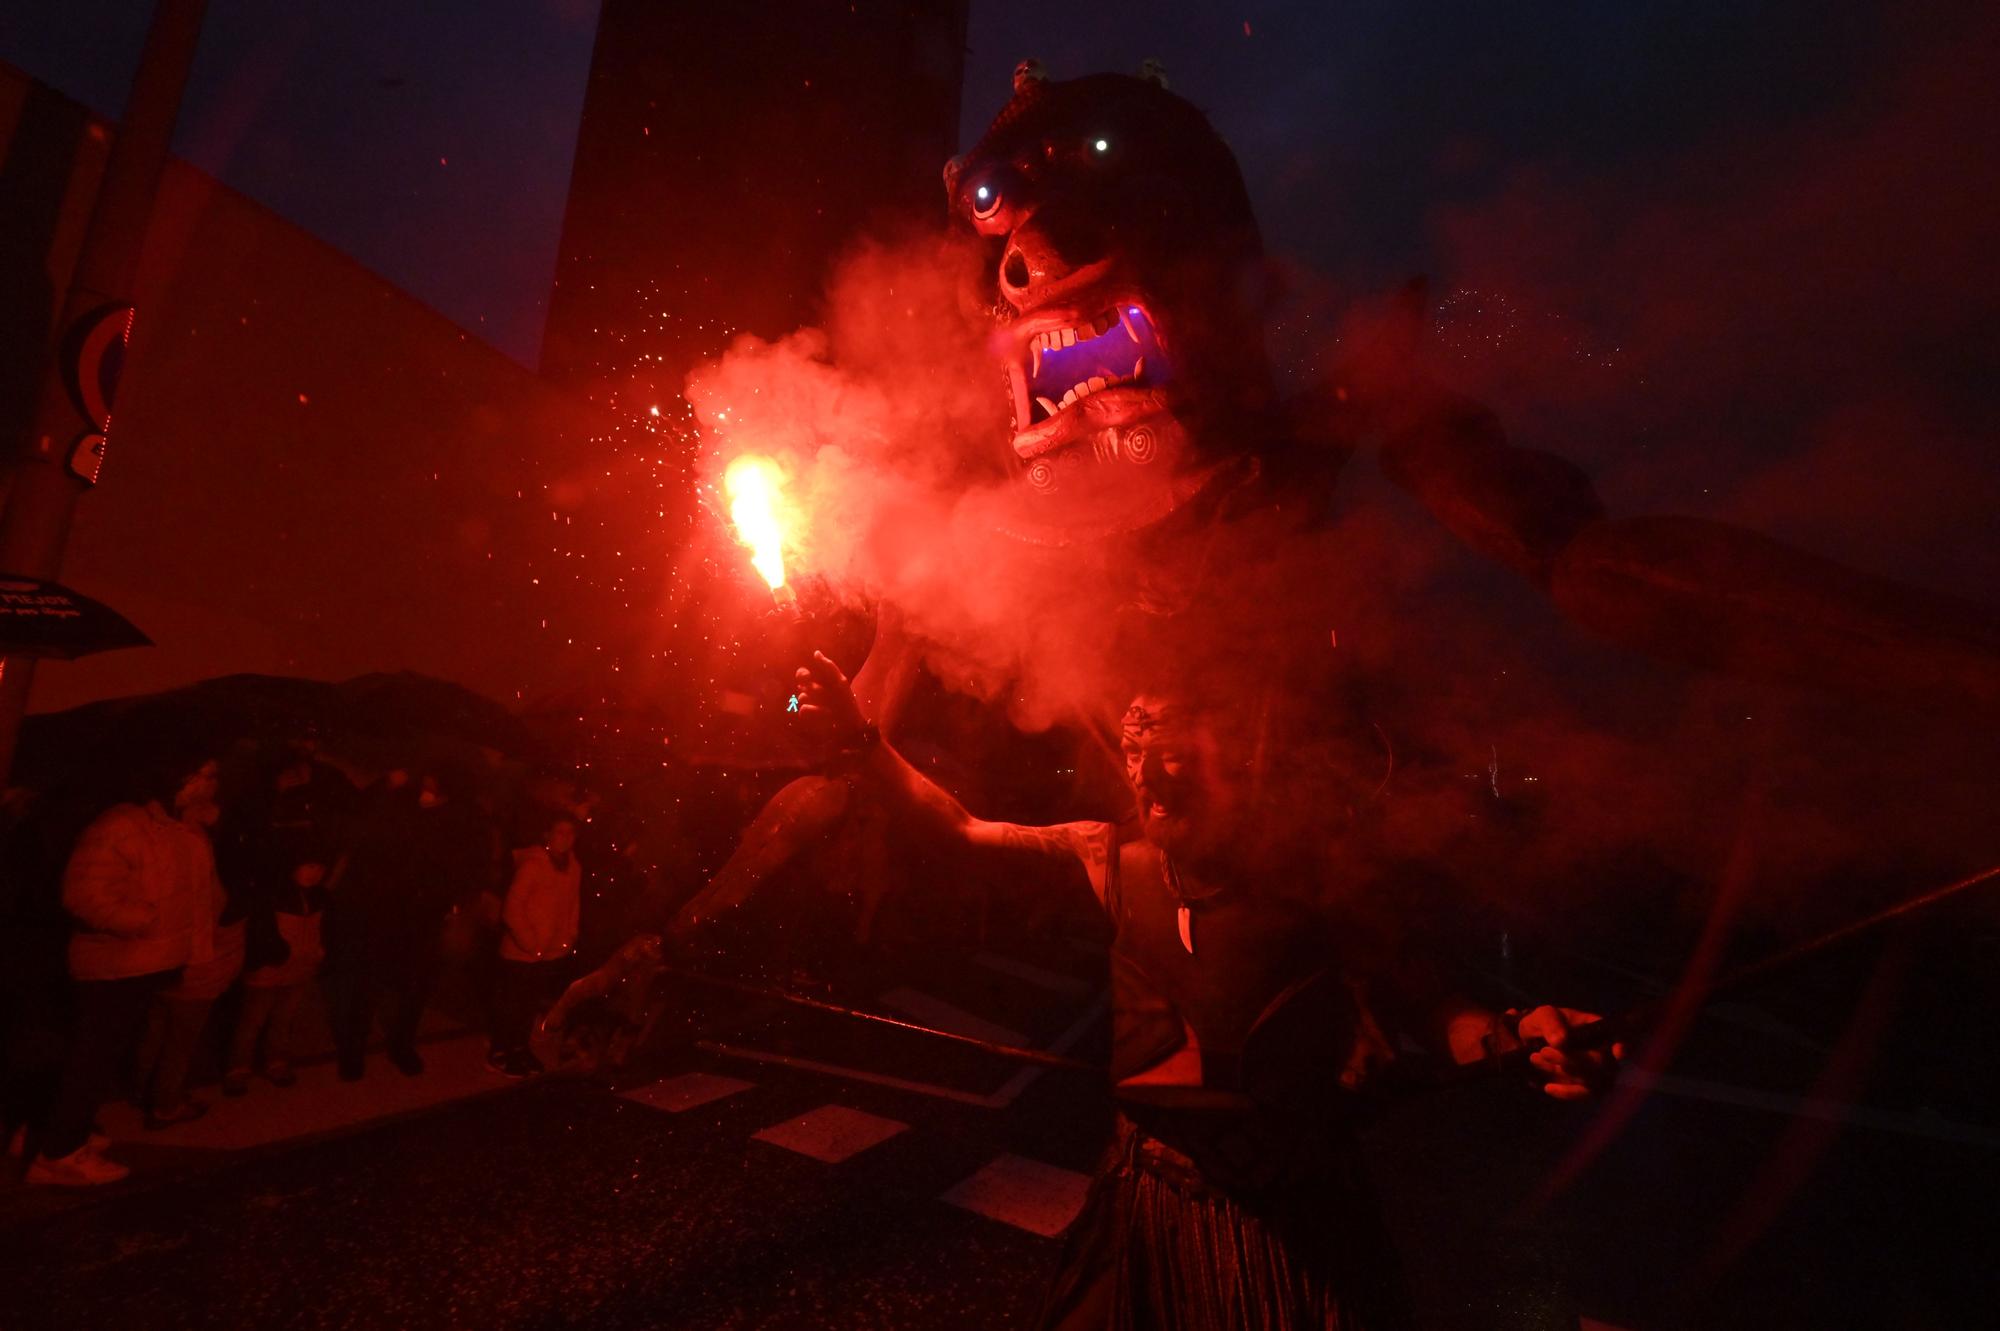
(818, 1175)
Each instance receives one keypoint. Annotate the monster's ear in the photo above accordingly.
(1029, 71)
(1155, 73)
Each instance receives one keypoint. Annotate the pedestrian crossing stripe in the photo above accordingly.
(1012, 1189)
(1024, 1193)
(688, 1091)
(831, 1133)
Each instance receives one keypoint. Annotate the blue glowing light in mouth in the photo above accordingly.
(1118, 348)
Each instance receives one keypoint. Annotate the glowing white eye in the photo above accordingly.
(1102, 145)
(985, 202)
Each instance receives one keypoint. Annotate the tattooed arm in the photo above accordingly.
(824, 692)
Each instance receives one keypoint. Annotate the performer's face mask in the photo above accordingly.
(1189, 801)
(1121, 270)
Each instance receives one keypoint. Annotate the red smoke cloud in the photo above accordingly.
(891, 423)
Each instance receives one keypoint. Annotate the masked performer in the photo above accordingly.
(1255, 991)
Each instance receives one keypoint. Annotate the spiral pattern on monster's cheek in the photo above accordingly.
(1141, 445)
(1042, 474)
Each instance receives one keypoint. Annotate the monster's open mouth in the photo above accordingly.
(1064, 360)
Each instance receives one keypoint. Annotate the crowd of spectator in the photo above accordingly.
(202, 914)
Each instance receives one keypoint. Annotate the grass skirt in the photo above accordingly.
(1157, 1248)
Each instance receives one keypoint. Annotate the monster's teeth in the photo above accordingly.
(1125, 318)
(1035, 366)
(1096, 382)
(1138, 368)
(1069, 397)
(1069, 337)
(1048, 405)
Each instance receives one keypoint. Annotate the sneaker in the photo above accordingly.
(524, 1064)
(281, 1075)
(187, 1111)
(408, 1062)
(236, 1082)
(17, 1145)
(81, 1168)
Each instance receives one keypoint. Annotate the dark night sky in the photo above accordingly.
(1354, 121)
(1764, 212)
(433, 141)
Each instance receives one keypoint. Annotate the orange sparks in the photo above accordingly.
(754, 486)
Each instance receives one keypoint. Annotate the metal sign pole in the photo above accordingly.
(64, 448)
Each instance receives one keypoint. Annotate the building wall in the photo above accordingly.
(311, 473)
(308, 473)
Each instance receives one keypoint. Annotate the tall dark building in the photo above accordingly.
(727, 153)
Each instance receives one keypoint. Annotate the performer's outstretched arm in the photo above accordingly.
(824, 692)
(804, 814)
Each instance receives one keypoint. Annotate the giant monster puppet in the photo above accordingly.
(1124, 276)
(1121, 276)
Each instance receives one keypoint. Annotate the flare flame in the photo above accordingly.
(754, 486)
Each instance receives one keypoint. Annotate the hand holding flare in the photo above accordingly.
(826, 697)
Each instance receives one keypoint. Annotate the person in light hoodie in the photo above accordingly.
(142, 891)
(538, 927)
(179, 1015)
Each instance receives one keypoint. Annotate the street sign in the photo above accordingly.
(41, 618)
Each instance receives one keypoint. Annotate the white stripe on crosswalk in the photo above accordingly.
(831, 1133)
(675, 1094)
(1024, 1193)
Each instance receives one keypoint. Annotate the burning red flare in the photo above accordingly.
(755, 486)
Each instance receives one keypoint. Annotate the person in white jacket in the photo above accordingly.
(538, 926)
(142, 890)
